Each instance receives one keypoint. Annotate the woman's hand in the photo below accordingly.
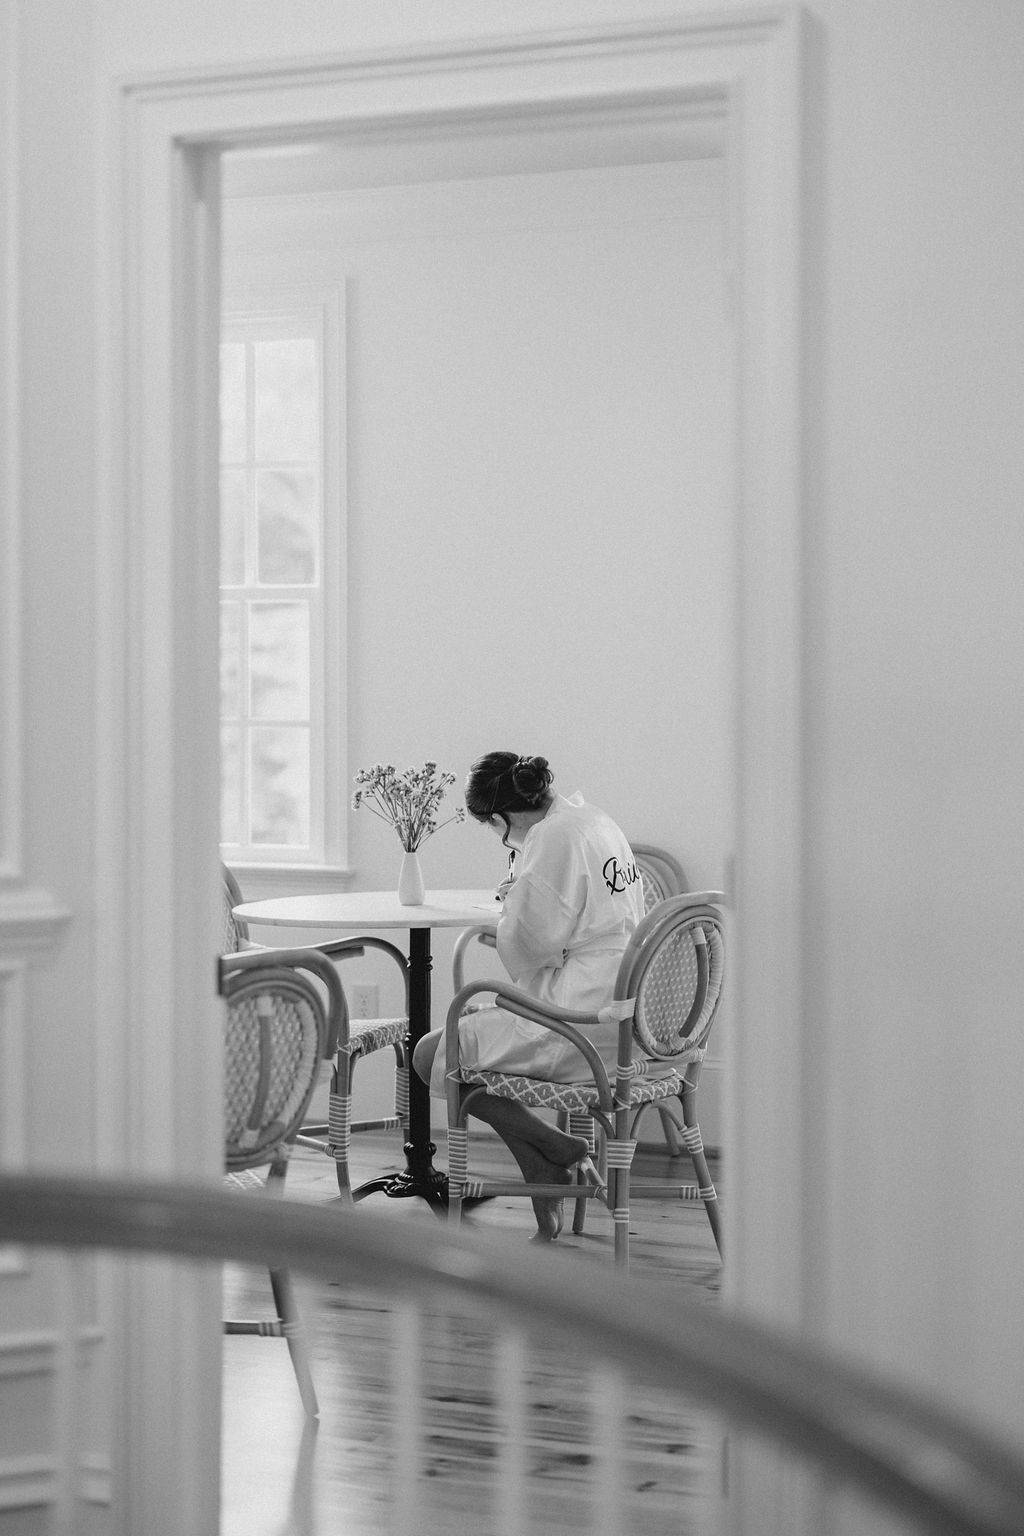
(504, 888)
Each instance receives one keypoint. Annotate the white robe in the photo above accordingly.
(576, 899)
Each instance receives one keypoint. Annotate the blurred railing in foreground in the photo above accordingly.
(922, 1462)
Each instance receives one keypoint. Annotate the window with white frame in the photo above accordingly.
(280, 590)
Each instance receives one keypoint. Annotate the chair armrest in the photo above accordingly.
(345, 949)
(462, 943)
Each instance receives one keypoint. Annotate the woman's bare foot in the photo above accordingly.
(548, 1209)
(549, 1214)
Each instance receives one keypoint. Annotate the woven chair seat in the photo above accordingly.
(246, 1180)
(534, 1091)
(575, 1098)
(368, 1035)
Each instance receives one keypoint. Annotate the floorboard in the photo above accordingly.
(450, 1417)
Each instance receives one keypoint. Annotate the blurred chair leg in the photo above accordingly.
(295, 1336)
(694, 1145)
(288, 1323)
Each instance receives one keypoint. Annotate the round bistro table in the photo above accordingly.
(352, 911)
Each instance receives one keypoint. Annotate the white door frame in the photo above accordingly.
(157, 701)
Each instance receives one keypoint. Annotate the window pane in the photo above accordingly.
(286, 395)
(279, 661)
(280, 786)
(230, 784)
(230, 660)
(286, 524)
(232, 400)
(232, 527)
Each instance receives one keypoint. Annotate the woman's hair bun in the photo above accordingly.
(531, 778)
(501, 782)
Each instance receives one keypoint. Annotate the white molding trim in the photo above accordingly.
(41, 1480)
(33, 1482)
(13, 1053)
(34, 1353)
(158, 730)
(10, 454)
(13, 1089)
(30, 919)
(566, 199)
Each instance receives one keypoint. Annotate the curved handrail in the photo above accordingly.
(922, 1460)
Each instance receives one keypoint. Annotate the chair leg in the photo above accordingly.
(618, 1193)
(295, 1336)
(402, 1090)
(581, 1125)
(619, 1154)
(694, 1144)
(458, 1168)
(671, 1127)
(339, 1124)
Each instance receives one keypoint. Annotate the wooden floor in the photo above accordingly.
(450, 1414)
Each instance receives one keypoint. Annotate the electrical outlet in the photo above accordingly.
(364, 1001)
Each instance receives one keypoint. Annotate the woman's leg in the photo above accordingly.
(423, 1055)
(544, 1153)
(515, 1123)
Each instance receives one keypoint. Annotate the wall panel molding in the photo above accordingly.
(38, 1479)
(13, 1092)
(10, 457)
(34, 1482)
(30, 919)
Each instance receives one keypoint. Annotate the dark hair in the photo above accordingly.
(501, 782)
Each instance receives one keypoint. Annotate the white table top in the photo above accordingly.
(374, 909)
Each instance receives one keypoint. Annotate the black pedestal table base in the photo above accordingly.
(420, 1177)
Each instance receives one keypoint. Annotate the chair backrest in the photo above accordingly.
(661, 874)
(674, 967)
(234, 934)
(275, 1039)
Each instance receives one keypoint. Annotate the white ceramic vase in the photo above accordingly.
(410, 881)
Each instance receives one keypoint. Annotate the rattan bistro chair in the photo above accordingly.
(661, 873)
(666, 999)
(278, 1031)
(661, 876)
(234, 933)
(356, 1038)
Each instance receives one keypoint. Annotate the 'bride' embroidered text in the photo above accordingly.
(618, 876)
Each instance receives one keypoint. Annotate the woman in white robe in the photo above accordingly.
(567, 916)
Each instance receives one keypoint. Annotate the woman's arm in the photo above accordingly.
(536, 925)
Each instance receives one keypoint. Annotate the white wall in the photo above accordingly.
(915, 730)
(914, 560)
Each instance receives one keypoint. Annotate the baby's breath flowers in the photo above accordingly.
(408, 801)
